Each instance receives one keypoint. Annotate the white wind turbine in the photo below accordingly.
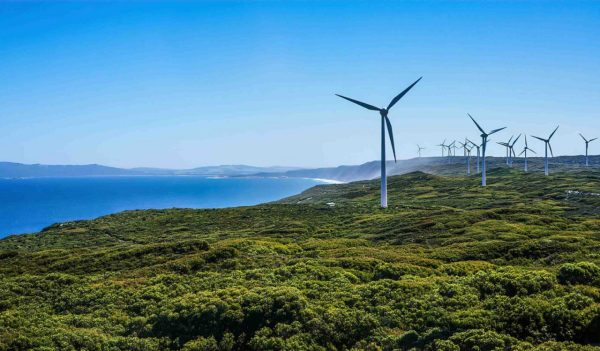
(547, 144)
(419, 148)
(587, 142)
(443, 145)
(484, 141)
(477, 147)
(384, 121)
(467, 152)
(525, 149)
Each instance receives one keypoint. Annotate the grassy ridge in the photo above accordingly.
(449, 266)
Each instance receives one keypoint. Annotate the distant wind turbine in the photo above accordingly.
(443, 145)
(419, 148)
(511, 150)
(467, 151)
(384, 121)
(477, 147)
(547, 144)
(587, 142)
(484, 140)
(454, 147)
(449, 153)
(525, 149)
(507, 146)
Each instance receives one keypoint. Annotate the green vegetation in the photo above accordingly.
(449, 266)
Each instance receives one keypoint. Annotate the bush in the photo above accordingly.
(579, 273)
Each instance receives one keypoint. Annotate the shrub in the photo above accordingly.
(579, 273)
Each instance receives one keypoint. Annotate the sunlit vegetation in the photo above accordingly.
(449, 266)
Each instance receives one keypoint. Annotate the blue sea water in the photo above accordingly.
(29, 205)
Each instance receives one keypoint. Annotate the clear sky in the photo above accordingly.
(184, 84)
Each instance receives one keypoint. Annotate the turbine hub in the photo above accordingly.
(383, 112)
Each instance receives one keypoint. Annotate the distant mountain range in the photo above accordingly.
(19, 170)
(368, 170)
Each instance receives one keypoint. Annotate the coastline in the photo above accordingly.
(219, 197)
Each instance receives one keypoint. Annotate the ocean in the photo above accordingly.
(31, 204)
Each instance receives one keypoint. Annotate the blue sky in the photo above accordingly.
(184, 84)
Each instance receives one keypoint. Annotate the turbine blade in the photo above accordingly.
(477, 124)
(542, 139)
(550, 146)
(515, 141)
(391, 134)
(582, 137)
(365, 105)
(399, 96)
(522, 152)
(550, 137)
(589, 141)
(525, 140)
(496, 130)
(532, 151)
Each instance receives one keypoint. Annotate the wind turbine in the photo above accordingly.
(507, 146)
(384, 121)
(587, 142)
(525, 149)
(511, 150)
(419, 148)
(547, 144)
(443, 145)
(477, 147)
(467, 151)
(484, 137)
(454, 147)
(449, 146)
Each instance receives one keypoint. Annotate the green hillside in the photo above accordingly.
(449, 266)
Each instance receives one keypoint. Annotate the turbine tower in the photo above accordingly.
(547, 144)
(484, 140)
(587, 142)
(419, 148)
(525, 149)
(384, 121)
(478, 149)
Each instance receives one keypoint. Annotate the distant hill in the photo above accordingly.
(19, 170)
(346, 173)
(436, 165)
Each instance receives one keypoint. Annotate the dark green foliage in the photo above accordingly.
(450, 266)
(579, 273)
